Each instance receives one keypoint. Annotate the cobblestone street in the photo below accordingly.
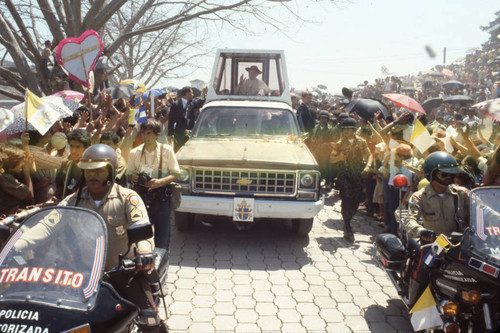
(268, 279)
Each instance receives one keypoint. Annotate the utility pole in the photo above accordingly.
(444, 57)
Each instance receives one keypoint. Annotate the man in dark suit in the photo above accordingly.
(304, 115)
(182, 116)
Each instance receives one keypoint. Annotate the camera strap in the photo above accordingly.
(161, 161)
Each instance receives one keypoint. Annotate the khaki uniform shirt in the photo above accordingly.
(438, 213)
(120, 208)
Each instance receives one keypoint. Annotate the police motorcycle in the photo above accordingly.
(52, 279)
(463, 270)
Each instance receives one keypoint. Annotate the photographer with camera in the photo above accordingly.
(152, 167)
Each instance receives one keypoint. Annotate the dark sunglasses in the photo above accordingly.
(446, 174)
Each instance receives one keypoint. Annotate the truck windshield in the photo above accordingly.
(217, 122)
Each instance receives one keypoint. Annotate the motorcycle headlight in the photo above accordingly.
(450, 309)
(184, 177)
(307, 180)
(472, 296)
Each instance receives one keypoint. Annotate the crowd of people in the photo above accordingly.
(456, 127)
(358, 155)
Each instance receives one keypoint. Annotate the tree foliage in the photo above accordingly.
(493, 28)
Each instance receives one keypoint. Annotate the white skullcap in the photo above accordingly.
(59, 140)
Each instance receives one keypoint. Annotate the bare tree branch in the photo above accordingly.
(51, 20)
(12, 95)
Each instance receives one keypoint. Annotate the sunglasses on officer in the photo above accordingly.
(446, 174)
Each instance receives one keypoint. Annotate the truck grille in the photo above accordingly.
(244, 181)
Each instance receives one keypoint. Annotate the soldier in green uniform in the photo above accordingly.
(351, 157)
(321, 139)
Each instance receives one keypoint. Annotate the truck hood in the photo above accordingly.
(246, 154)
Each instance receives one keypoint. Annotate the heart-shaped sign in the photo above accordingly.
(79, 55)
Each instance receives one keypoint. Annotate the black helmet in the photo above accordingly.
(442, 161)
(98, 156)
(324, 113)
(349, 123)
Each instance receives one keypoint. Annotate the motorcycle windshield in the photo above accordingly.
(55, 257)
(485, 222)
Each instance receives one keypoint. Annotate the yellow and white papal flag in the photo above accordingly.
(424, 313)
(39, 113)
(420, 137)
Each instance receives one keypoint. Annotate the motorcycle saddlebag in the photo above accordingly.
(391, 250)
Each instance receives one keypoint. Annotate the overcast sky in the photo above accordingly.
(351, 41)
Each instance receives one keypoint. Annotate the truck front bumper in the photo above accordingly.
(262, 208)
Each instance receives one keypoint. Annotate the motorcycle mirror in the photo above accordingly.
(138, 232)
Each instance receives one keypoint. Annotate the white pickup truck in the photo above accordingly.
(246, 158)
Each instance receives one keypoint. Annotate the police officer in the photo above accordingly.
(351, 157)
(443, 208)
(120, 208)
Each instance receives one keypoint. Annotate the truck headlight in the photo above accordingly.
(184, 177)
(307, 180)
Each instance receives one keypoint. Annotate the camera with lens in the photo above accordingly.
(143, 178)
(148, 195)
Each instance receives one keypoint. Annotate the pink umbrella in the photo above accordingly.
(490, 108)
(405, 102)
(447, 72)
(70, 94)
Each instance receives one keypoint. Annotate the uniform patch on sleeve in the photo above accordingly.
(52, 219)
(120, 230)
(136, 215)
(133, 199)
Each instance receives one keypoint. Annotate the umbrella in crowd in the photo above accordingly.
(452, 84)
(432, 103)
(139, 87)
(448, 73)
(70, 94)
(405, 102)
(145, 95)
(490, 108)
(472, 49)
(6, 118)
(366, 108)
(458, 99)
(62, 107)
(121, 91)
(436, 74)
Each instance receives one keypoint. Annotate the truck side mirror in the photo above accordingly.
(138, 232)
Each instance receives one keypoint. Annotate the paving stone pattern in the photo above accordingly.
(267, 279)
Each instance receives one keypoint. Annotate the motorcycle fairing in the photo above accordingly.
(56, 256)
(484, 238)
(112, 313)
